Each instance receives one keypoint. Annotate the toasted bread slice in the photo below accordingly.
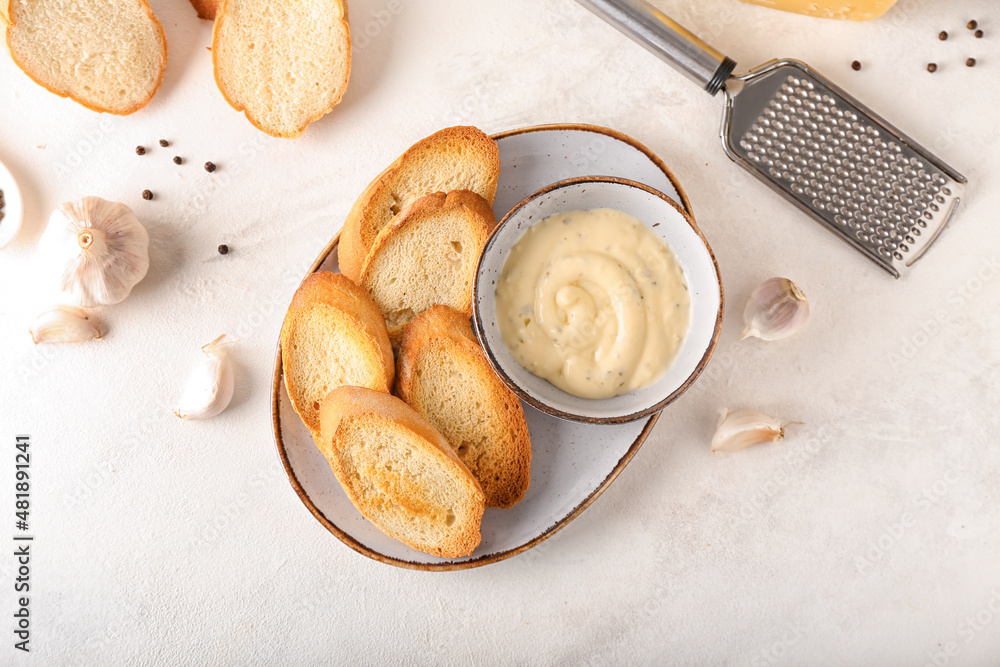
(207, 9)
(428, 256)
(285, 64)
(456, 158)
(400, 472)
(443, 374)
(333, 335)
(108, 55)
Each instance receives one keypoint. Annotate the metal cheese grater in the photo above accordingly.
(812, 142)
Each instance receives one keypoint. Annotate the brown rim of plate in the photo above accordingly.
(615, 134)
(548, 409)
(555, 527)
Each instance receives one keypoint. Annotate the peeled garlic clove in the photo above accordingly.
(741, 428)
(210, 387)
(100, 249)
(776, 309)
(63, 324)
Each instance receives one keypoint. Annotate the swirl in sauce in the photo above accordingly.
(594, 302)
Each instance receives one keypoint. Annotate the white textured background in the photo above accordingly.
(164, 542)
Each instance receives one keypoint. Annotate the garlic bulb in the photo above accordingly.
(63, 324)
(210, 387)
(776, 309)
(741, 428)
(100, 248)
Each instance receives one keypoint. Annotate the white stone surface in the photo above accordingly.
(868, 537)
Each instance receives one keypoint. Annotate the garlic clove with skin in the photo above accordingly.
(741, 428)
(210, 387)
(100, 249)
(777, 308)
(63, 324)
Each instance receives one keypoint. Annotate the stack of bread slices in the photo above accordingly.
(422, 464)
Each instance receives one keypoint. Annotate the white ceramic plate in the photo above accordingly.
(534, 157)
(572, 463)
(668, 221)
(12, 211)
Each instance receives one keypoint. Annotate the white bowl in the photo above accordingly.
(690, 248)
(13, 211)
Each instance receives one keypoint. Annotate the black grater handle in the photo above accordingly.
(666, 39)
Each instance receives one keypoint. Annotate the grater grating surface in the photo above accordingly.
(833, 157)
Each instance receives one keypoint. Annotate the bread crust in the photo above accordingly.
(345, 403)
(207, 9)
(221, 17)
(11, 27)
(361, 316)
(443, 330)
(367, 216)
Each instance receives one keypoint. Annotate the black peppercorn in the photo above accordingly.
(209, 167)
(164, 143)
(931, 67)
(147, 194)
(223, 249)
(978, 34)
(971, 62)
(972, 25)
(177, 159)
(942, 35)
(856, 65)
(140, 150)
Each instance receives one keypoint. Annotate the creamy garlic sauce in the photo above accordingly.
(594, 302)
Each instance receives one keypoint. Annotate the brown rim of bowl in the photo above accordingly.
(276, 387)
(548, 409)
